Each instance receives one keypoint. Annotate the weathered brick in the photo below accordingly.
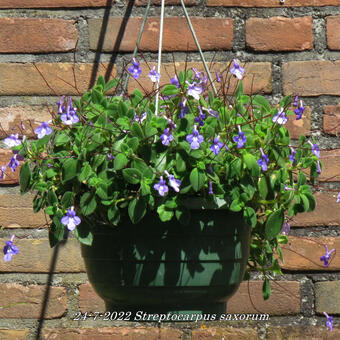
(327, 297)
(229, 333)
(35, 255)
(117, 333)
(284, 298)
(89, 301)
(331, 119)
(16, 212)
(302, 333)
(301, 126)
(303, 253)
(13, 334)
(212, 34)
(326, 213)
(331, 165)
(31, 117)
(37, 35)
(333, 27)
(271, 3)
(279, 34)
(15, 78)
(258, 76)
(311, 78)
(54, 3)
(10, 177)
(26, 301)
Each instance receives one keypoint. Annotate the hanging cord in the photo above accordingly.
(138, 41)
(159, 61)
(198, 47)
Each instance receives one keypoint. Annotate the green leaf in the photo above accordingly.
(69, 167)
(251, 164)
(274, 224)
(123, 109)
(136, 130)
(197, 179)
(236, 205)
(83, 234)
(85, 172)
(266, 289)
(120, 161)
(181, 160)
(52, 197)
(261, 102)
(312, 202)
(132, 175)
(239, 91)
(25, 178)
(164, 214)
(88, 203)
(113, 214)
(61, 139)
(50, 173)
(137, 210)
(183, 215)
(301, 178)
(250, 216)
(170, 90)
(49, 210)
(145, 170)
(56, 232)
(67, 199)
(263, 188)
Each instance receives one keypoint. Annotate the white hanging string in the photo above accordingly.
(159, 61)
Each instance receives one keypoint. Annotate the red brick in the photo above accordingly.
(89, 301)
(212, 34)
(229, 333)
(26, 301)
(301, 126)
(272, 3)
(13, 334)
(52, 3)
(311, 78)
(326, 213)
(16, 212)
(284, 298)
(10, 177)
(37, 35)
(116, 333)
(257, 79)
(305, 252)
(12, 116)
(279, 34)
(302, 333)
(327, 297)
(35, 256)
(331, 119)
(331, 165)
(333, 27)
(24, 79)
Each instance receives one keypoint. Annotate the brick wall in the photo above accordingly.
(291, 48)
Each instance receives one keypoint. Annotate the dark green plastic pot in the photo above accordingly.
(158, 267)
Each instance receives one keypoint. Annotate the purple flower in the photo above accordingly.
(295, 102)
(299, 111)
(237, 70)
(216, 146)
(13, 163)
(329, 321)
(218, 76)
(154, 76)
(43, 130)
(60, 104)
(338, 198)
(3, 170)
(161, 187)
(173, 182)
(109, 157)
(280, 118)
(70, 220)
(138, 118)
(184, 109)
(166, 137)
(195, 139)
(200, 118)
(315, 149)
(325, 258)
(194, 90)
(263, 161)
(10, 249)
(210, 188)
(174, 81)
(69, 117)
(292, 155)
(287, 188)
(12, 140)
(211, 112)
(135, 70)
(285, 227)
(318, 170)
(240, 139)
